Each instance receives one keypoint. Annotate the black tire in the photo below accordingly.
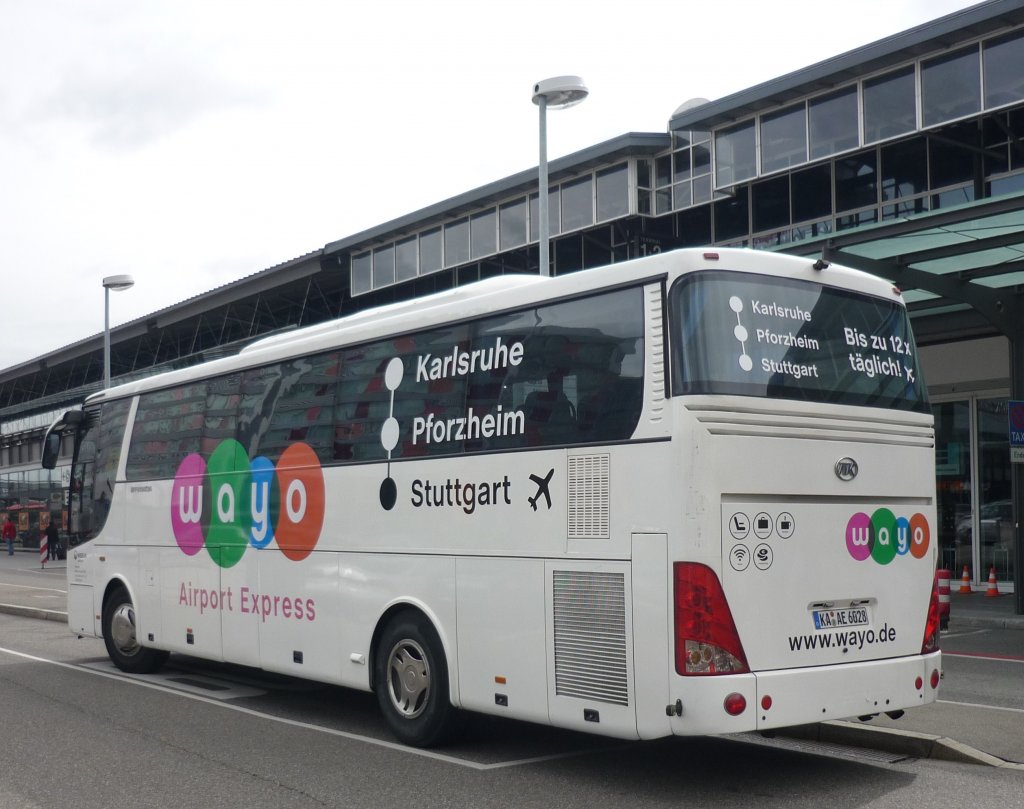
(119, 637)
(411, 681)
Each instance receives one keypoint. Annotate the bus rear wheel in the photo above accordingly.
(121, 640)
(411, 682)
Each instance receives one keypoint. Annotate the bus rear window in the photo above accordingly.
(755, 335)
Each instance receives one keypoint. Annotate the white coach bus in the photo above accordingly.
(687, 494)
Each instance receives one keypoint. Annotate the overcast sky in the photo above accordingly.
(193, 142)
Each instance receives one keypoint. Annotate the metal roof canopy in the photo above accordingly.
(970, 255)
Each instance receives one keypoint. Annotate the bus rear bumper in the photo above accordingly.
(778, 699)
(841, 692)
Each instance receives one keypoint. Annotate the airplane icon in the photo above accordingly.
(542, 489)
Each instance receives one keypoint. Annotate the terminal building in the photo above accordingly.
(904, 158)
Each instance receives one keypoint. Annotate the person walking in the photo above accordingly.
(9, 533)
(52, 540)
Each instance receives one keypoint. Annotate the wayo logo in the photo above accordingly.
(883, 536)
(228, 503)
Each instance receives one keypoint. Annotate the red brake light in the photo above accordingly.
(706, 638)
(931, 628)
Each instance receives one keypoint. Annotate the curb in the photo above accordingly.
(962, 622)
(34, 612)
(901, 742)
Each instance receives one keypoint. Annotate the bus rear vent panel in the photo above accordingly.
(590, 636)
(589, 491)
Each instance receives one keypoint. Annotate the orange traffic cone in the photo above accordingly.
(965, 582)
(993, 587)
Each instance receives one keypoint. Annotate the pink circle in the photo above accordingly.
(187, 499)
(859, 536)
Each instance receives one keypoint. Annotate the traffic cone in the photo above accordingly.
(965, 583)
(993, 587)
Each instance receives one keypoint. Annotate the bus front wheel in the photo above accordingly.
(119, 636)
(411, 679)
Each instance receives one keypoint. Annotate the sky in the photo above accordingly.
(191, 143)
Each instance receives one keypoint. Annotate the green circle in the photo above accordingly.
(229, 476)
(883, 522)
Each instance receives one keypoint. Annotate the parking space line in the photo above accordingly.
(394, 746)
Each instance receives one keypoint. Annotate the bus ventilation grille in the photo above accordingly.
(589, 489)
(590, 636)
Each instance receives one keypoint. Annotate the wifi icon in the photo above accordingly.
(739, 557)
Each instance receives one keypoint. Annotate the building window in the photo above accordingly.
(577, 204)
(405, 260)
(812, 193)
(456, 242)
(431, 252)
(950, 87)
(361, 280)
(890, 104)
(770, 204)
(1003, 64)
(783, 139)
(731, 216)
(735, 155)
(553, 214)
(832, 123)
(952, 158)
(483, 234)
(512, 224)
(857, 181)
(613, 193)
(904, 169)
(384, 267)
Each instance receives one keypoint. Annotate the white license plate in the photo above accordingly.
(838, 619)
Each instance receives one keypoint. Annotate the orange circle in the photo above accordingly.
(301, 515)
(920, 536)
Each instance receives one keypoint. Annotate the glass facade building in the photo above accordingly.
(883, 140)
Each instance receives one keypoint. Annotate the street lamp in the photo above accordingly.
(116, 283)
(557, 94)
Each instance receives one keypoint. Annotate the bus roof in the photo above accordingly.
(494, 295)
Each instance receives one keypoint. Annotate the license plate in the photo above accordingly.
(837, 619)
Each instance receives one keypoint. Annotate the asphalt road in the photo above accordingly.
(78, 733)
(981, 711)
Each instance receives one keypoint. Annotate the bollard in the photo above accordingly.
(943, 578)
(42, 551)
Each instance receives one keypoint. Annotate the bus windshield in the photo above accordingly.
(779, 338)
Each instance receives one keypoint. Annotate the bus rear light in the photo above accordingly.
(919, 683)
(711, 256)
(735, 704)
(766, 703)
(931, 628)
(935, 679)
(706, 639)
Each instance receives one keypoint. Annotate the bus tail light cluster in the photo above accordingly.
(931, 628)
(705, 634)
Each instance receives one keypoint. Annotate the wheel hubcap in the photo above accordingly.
(408, 678)
(122, 629)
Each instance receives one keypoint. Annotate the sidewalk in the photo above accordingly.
(29, 589)
(978, 610)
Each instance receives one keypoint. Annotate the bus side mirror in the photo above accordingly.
(51, 450)
(51, 441)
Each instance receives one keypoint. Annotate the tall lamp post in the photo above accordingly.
(557, 94)
(116, 283)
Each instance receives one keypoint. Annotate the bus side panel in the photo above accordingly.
(652, 633)
(295, 608)
(240, 626)
(192, 601)
(590, 646)
(370, 585)
(501, 637)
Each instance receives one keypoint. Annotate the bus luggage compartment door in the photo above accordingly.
(813, 584)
